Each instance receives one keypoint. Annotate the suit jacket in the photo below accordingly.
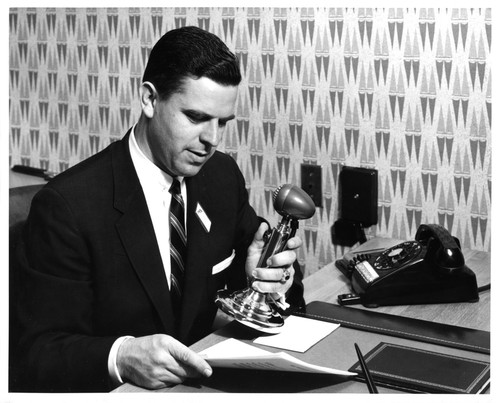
(92, 268)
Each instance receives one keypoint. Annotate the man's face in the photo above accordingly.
(186, 129)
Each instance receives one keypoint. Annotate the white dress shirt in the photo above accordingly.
(155, 184)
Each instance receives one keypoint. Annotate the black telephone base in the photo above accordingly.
(428, 270)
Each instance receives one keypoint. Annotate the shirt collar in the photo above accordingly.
(149, 174)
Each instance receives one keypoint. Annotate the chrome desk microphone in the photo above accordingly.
(249, 306)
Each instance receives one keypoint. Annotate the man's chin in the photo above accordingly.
(191, 166)
(191, 170)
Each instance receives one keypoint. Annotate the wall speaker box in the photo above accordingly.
(359, 195)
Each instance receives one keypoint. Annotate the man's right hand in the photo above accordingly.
(159, 360)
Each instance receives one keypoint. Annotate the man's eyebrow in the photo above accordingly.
(228, 118)
(205, 116)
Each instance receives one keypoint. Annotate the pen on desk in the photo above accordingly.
(369, 381)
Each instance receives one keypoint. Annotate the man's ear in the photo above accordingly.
(149, 98)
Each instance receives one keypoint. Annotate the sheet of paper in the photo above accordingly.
(232, 353)
(298, 334)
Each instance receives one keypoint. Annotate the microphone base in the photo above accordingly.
(250, 308)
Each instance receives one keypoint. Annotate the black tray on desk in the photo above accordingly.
(399, 326)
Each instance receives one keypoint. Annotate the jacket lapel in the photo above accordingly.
(137, 234)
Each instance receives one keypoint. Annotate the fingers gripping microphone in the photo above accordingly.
(250, 306)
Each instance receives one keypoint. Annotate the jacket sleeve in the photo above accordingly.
(55, 310)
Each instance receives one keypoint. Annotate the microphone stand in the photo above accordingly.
(249, 306)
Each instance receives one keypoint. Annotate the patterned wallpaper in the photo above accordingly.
(404, 91)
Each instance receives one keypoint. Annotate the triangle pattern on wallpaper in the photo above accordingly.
(404, 91)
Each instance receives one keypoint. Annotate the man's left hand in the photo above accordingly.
(278, 276)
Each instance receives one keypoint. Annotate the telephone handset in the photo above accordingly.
(430, 269)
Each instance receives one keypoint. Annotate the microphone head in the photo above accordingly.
(290, 200)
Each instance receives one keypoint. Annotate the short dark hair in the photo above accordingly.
(189, 52)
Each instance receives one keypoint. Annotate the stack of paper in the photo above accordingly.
(232, 353)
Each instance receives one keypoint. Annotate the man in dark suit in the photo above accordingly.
(96, 308)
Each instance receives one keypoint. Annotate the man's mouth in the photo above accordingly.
(199, 156)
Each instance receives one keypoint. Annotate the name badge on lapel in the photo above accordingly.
(202, 216)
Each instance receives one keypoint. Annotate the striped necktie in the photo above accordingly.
(177, 244)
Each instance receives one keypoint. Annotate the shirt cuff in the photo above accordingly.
(112, 367)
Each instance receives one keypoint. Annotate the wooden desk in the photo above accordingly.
(327, 283)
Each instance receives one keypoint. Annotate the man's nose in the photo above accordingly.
(211, 133)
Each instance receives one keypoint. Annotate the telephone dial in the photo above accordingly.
(430, 269)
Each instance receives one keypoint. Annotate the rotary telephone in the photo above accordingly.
(430, 269)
